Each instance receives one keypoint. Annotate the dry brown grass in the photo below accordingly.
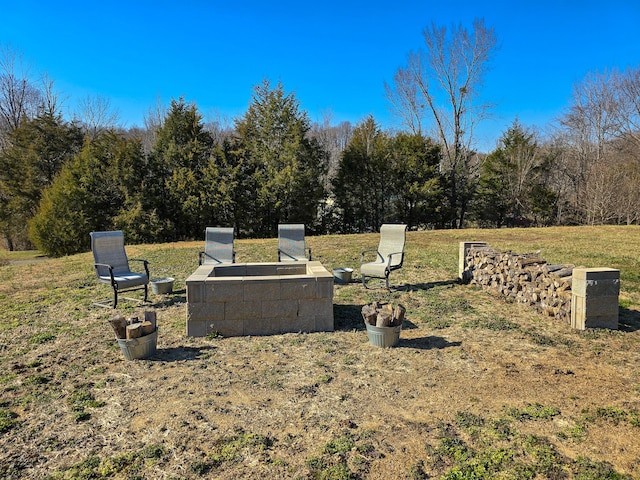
(475, 384)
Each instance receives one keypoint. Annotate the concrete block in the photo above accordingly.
(463, 273)
(230, 290)
(315, 267)
(325, 287)
(291, 269)
(263, 288)
(320, 307)
(226, 328)
(594, 312)
(297, 288)
(263, 326)
(196, 328)
(324, 323)
(202, 311)
(239, 270)
(195, 292)
(202, 272)
(596, 282)
(279, 308)
(298, 324)
(259, 299)
(599, 273)
(261, 269)
(242, 310)
(594, 300)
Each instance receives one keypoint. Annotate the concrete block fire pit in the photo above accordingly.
(259, 299)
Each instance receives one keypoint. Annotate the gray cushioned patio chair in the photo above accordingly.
(112, 266)
(218, 246)
(291, 243)
(389, 255)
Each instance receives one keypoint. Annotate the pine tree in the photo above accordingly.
(283, 168)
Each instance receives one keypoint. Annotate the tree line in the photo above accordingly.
(62, 178)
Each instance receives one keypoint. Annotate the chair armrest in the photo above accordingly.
(280, 252)
(146, 264)
(362, 255)
(96, 265)
(390, 256)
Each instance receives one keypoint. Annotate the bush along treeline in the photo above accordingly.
(60, 179)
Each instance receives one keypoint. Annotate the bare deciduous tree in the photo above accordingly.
(219, 126)
(97, 115)
(629, 86)
(405, 101)
(19, 98)
(50, 99)
(333, 139)
(444, 80)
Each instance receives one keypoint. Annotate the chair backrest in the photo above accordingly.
(291, 244)
(218, 245)
(392, 240)
(108, 248)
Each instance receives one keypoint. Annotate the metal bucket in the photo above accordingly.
(383, 336)
(342, 274)
(137, 348)
(162, 285)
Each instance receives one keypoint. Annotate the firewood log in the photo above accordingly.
(398, 315)
(369, 314)
(119, 325)
(146, 328)
(384, 319)
(134, 330)
(150, 316)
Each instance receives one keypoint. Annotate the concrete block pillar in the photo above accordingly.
(463, 274)
(594, 298)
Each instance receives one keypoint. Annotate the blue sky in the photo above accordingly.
(334, 55)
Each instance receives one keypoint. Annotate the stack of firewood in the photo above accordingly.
(133, 327)
(383, 315)
(524, 278)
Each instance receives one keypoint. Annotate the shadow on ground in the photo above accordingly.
(348, 317)
(628, 320)
(176, 297)
(427, 343)
(180, 353)
(428, 285)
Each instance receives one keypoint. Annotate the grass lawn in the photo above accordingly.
(477, 388)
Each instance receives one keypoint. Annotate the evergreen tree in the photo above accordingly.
(36, 152)
(282, 167)
(418, 195)
(513, 188)
(99, 189)
(178, 162)
(363, 182)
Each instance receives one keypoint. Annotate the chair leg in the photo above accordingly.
(115, 297)
(146, 292)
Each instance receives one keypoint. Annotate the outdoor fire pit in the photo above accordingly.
(259, 299)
